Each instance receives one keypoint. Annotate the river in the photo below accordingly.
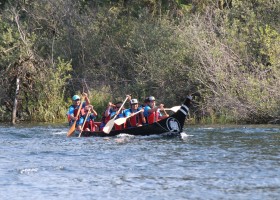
(219, 162)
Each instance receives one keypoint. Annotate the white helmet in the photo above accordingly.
(151, 98)
(133, 101)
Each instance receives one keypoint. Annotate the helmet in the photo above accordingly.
(75, 97)
(146, 100)
(133, 101)
(151, 98)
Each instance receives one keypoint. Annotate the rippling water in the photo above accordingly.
(238, 162)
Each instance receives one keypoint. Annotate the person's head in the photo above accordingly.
(118, 105)
(88, 107)
(146, 100)
(76, 100)
(134, 104)
(151, 101)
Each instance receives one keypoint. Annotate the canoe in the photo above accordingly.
(173, 124)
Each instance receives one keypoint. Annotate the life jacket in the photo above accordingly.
(68, 118)
(82, 112)
(122, 126)
(90, 121)
(153, 117)
(89, 124)
(104, 121)
(136, 119)
(75, 113)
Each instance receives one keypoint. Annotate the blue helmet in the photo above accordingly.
(75, 97)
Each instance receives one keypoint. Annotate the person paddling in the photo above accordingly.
(113, 110)
(119, 114)
(152, 112)
(105, 116)
(89, 116)
(136, 114)
(73, 111)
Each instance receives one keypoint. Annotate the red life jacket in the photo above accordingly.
(136, 119)
(107, 119)
(153, 117)
(89, 124)
(69, 118)
(92, 125)
(82, 112)
(120, 127)
(75, 113)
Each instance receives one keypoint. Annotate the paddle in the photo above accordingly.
(174, 109)
(73, 127)
(122, 120)
(84, 122)
(108, 127)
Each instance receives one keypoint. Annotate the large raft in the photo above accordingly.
(173, 124)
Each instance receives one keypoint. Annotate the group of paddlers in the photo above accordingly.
(84, 115)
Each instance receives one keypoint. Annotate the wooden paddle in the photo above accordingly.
(73, 127)
(84, 122)
(108, 127)
(174, 108)
(122, 120)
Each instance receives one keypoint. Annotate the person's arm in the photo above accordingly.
(128, 97)
(71, 113)
(146, 111)
(165, 113)
(142, 116)
(90, 109)
(127, 113)
(108, 110)
(86, 98)
(94, 112)
(163, 110)
(155, 108)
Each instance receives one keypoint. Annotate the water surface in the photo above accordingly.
(233, 162)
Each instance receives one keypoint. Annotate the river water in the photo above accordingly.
(238, 162)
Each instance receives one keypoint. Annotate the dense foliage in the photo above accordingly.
(225, 52)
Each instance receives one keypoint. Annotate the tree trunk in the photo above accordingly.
(14, 113)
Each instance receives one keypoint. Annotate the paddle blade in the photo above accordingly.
(120, 121)
(108, 127)
(72, 129)
(175, 108)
